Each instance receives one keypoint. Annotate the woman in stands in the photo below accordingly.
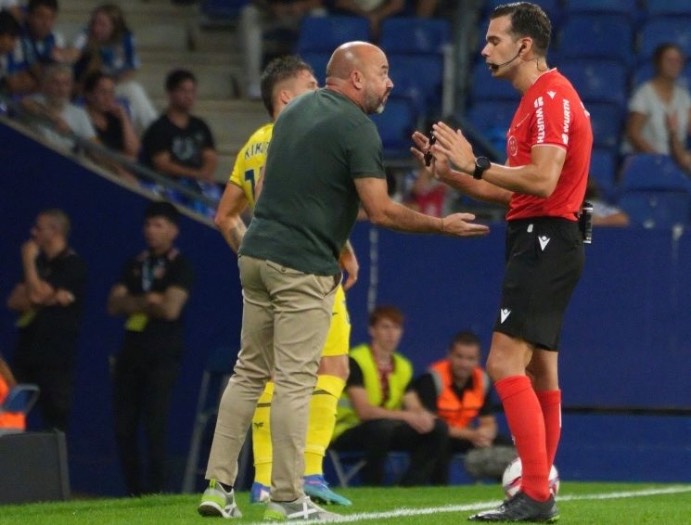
(110, 118)
(107, 45)
(660, 110)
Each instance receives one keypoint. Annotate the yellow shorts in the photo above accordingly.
(338, 338)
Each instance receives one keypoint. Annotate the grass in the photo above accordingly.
(578, 504)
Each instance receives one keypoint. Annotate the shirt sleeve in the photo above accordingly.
(355, 378)
(183, 277)
(365, 151)
(553, 119)
(427, 391)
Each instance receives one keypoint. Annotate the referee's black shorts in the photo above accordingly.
(544, 260)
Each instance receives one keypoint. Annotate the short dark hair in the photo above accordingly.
(177, 77)
(9, 24)
(661, 50)
(386, 312)
(163, 209)
(92, 79)
(278, 70)
(465, 337)
(527, 19)
(34, 4)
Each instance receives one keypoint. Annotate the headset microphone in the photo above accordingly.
(494, 67)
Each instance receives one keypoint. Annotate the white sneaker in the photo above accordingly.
(302, 509)
(216, 502)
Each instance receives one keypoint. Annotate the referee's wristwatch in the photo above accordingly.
(482, 164)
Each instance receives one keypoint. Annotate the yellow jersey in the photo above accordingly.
(250, 161)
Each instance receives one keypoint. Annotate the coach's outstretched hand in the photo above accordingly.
(460, 224)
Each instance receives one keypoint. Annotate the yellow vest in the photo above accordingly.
(399, 379)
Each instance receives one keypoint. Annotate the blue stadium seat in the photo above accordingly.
(598, 80)
(621, 7)
(396, 125)
(597, 36)
(656, 209)
(662, 29)
(607, 120)
(326, 33)
(668, 7)
(484, 87)
(646, 171)
(553, 8)
(418, 77)
(492, 114)
(223, 10)
(603, 164)
(414, 35)
(318, 60)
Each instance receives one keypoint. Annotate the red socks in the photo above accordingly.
(550, 401)
(527, 425)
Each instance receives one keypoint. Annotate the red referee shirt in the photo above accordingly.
(551, 113)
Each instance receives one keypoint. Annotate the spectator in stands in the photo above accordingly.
(374, 414)
(13, 80)
(457, 390)
(604, 213)
(40, 45)
(151, 293)
(49, 301)
(14, 8)
(428, 195)
(108, 45)
(8, 420)
(660, 110)
(435, 8)
(58, 117)
(180, 145)
(110, 119)
(375, 11)
(261, 16)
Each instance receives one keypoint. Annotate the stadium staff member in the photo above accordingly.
(325, 158)
(549, 144)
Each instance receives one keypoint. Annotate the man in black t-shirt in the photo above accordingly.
(49, 300)
(151, 293)
(180, 145)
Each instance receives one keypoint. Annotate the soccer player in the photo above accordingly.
(549, 144)
(283, 79)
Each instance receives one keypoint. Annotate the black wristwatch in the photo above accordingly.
(482, 164)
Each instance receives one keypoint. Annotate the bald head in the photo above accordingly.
(360, 71)
(349, 57)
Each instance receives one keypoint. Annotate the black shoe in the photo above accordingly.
(521, 508)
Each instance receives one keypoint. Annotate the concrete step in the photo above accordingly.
(203, 58)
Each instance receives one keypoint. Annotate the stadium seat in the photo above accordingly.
(668, 7)
(419, 77)
(491, 119)
(326, 33)
(646, 171)
(396, 125)
(215, 10)
(603, 170)
(20, 400)
(318, 60)
(484, 87)
(607, 120)
(620, 7)
(608, 36)
(656, 209)
(662, 29)
(414, 35)
(598, 80)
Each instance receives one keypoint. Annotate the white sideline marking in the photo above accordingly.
(405, 512)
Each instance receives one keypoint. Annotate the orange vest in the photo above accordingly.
(9, 419)
(458, 412)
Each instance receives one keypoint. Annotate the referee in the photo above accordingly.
(548, 149)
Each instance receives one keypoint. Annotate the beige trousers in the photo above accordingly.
(286, 316)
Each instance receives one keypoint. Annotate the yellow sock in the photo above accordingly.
(261, 437)
(322, 420)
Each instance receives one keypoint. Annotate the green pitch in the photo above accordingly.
(579, 504)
